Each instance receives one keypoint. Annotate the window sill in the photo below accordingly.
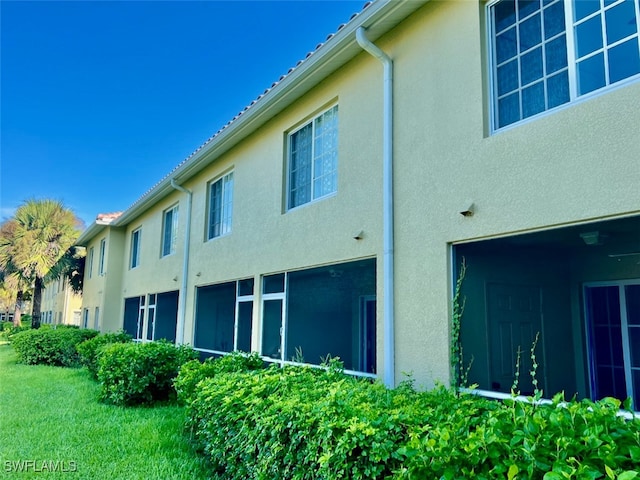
(219, 236)
(583, 98)
(312, 202)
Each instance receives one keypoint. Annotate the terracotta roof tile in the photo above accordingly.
(107, 217)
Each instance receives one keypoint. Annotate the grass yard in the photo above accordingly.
(50, 417)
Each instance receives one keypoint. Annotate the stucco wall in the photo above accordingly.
(61, 302)
(578, 163)
(155, 273)
(93, 286)
(265, 238)
(575, 164)
(104, 291)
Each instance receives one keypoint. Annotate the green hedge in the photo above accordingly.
(136, 373)
(50, 346)
(89, 350)
(192, 372)
(302, 423)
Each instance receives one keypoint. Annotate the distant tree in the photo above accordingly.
(12, 278)
(7, 300)
(44, 230)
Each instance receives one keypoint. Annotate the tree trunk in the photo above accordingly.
(17, 310)
(37, 303)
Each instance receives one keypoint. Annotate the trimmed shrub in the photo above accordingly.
(300, 423)
(192, 372)
(137, 373)
(303, 423)
(50, 346)
(89, 350)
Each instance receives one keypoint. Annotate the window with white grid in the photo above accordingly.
(313, 159)
(546, 53)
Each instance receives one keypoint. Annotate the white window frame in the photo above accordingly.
(278, 296)
(141, 324)
(103, 253)
(225, 220)
(283, 297)
(134, 251)
(170, 248)
(574, 96)
(624, 324)
(313, 197)
(90, 261)
(239, 299)
(150, 317)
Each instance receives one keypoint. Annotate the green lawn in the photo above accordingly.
(51, 414)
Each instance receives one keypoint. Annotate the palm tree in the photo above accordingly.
(12, 279)
(71, 267)
(44, 231)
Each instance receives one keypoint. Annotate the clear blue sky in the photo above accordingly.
(100, 100)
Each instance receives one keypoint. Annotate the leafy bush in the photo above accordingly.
(192, 372)
(89, 350)
(135, 373)
(302, 423)
(7, 329)
(49, 346)
(526, 440)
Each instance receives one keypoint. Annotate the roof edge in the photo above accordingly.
(90, 232)
(378, 17)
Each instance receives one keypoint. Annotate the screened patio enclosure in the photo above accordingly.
(319, 313)
(577, 289)
(151, 317)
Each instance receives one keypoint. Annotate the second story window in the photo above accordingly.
(313, 159)
(169, 231)
(548, 53)
(103, 252)
(135, 248)
(90, 261)
(220, 206)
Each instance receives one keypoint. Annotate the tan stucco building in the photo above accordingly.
(513, 144)
(60, 305)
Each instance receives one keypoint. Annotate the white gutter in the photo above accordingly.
(387, 208)
(182, 305)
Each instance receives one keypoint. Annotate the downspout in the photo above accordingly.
(182, 305)
(387, 208)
